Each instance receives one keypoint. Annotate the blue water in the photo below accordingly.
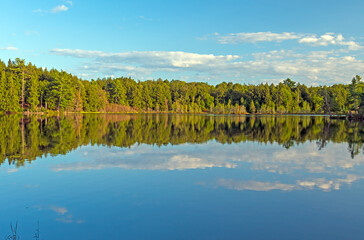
(245, 190)
(181, 177)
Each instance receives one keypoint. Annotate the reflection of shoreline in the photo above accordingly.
(41, 135)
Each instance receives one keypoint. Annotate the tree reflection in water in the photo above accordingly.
(24, 138)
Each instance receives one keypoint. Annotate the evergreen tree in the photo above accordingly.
(252, 107)
(32, 93)
(12, 96)
(137, 99)
(3, 91)
(356, 88)
(25, 87)
(147, 100)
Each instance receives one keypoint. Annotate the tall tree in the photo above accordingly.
(355, 91)
(137, 98)
(3, 91)
(12, 97)
(32, 93)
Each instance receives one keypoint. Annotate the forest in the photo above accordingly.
(27, 88)
(25, 138)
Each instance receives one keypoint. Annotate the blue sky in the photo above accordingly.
(314, 42)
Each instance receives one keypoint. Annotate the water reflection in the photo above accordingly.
(307, 168)
(319, 183)
(26, 138)
(142, 142)
(181, 176)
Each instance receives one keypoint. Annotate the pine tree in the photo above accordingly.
(252, 107)
(2, 91)
(12, 97)
(147, 100)
(160, 101)
(355, 91)
(77, 100)
(32, 93)
(137, 96)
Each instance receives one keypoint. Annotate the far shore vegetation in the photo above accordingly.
(27, 88)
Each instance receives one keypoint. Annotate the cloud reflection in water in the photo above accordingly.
(326, 170)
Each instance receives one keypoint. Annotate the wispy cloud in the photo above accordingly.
(69, 3)
(253, 185)
(9, 48)
(56, 9)
(60, 8)
(59, 210)
(309, 39)
(69, 219)
(253, 37)
(160, 59)
(63, 214)
(322, 184)
(13, 170)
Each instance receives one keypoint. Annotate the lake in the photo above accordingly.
(169, 176)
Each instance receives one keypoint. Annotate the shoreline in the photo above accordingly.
(339, 115)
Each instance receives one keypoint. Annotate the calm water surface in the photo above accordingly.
(181, 177)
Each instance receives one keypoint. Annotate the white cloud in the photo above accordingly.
(60, 8)
(328, 185)
(275, 55)
(309, 39)
(321, 67)
(56, 9)
(9, 48)
(159, 59)
(253, 37)
(329, 39)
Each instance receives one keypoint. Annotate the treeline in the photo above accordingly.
(26, 138)
(25, 87)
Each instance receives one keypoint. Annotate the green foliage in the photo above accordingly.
(96, 97)
(252, 108)
(11, 95)
(137, 98)
(3, 98)
(32, 93)
(356, 90)
(24, 87)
